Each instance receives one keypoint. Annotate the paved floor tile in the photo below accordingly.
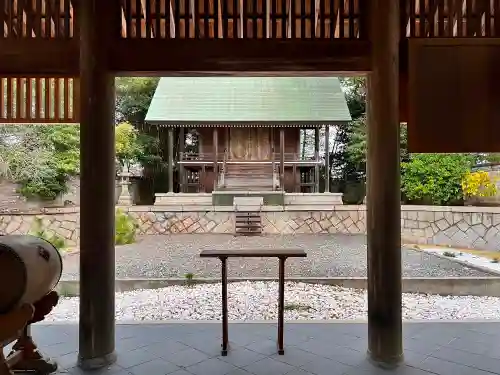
(295, 357)
(134, 358)
(167, 347)
(154, 367)
(312, 349)
(212, 366)
(266, 347)
(468, 359)
(269, 366)
(325, 366)
(242, 357)
(186, 357)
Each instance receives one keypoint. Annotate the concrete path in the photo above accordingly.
(328, 255)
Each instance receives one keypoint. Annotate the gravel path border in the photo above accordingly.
(258, 301)
(328, 256)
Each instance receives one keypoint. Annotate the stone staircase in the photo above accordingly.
(248, 224)
(248, 177)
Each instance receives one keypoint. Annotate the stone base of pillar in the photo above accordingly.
(390, 364)
(97, 363)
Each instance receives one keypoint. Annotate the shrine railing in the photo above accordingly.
(224, 159)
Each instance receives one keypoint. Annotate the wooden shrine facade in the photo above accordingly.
(248, 158)
(244, 133)
(399, 45)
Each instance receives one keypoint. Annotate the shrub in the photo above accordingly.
(38, 230)
(125, 228)
(478, 184)
(39, 159)
(434, 178)
(46, 188)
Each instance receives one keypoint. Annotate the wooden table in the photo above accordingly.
(282, 255)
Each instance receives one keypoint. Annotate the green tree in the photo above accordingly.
(127, 146)
(133, 97)
(346, 168)
(435, 178)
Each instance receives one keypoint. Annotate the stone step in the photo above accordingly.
(248, 223)
(247, 188)
(248, 201)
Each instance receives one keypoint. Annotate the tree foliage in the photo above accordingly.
(435, 178)
(127, 146)
(39, 158)
(133, 97)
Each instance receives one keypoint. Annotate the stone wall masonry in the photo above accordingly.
(462, 227)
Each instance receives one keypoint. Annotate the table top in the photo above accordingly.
(254, 253)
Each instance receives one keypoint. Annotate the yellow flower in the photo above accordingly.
(478, 184)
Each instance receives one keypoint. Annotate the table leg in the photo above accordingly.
(281, 305)
(225, 325)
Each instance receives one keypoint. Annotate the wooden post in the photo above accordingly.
(282, 158)
(216, 151)
(383, 179)
(295, 184)
(225, 318)
(281, 305)
(182, 146)
(99, 26)
(327, 158)
(170, 160)
(316, 156)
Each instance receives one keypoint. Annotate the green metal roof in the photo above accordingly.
(180, 100)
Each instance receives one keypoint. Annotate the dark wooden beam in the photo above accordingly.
(161, 55)
(437, 66)
(383, 187)
(47, 57)
(59, 57)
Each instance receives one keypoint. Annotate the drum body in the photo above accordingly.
(30, 267)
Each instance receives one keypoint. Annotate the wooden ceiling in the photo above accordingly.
(39, 39)
(252, 19)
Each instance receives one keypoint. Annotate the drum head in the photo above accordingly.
(13, 279)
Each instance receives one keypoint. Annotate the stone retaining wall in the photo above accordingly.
(466, 227)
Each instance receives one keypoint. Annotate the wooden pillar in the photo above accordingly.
(282, 158)
(383, 187)
(182, 146)
(216, 151)
(98, 25)
(316, 157)
(327, 158)
(170, 169)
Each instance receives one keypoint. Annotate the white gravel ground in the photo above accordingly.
(258, 301)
